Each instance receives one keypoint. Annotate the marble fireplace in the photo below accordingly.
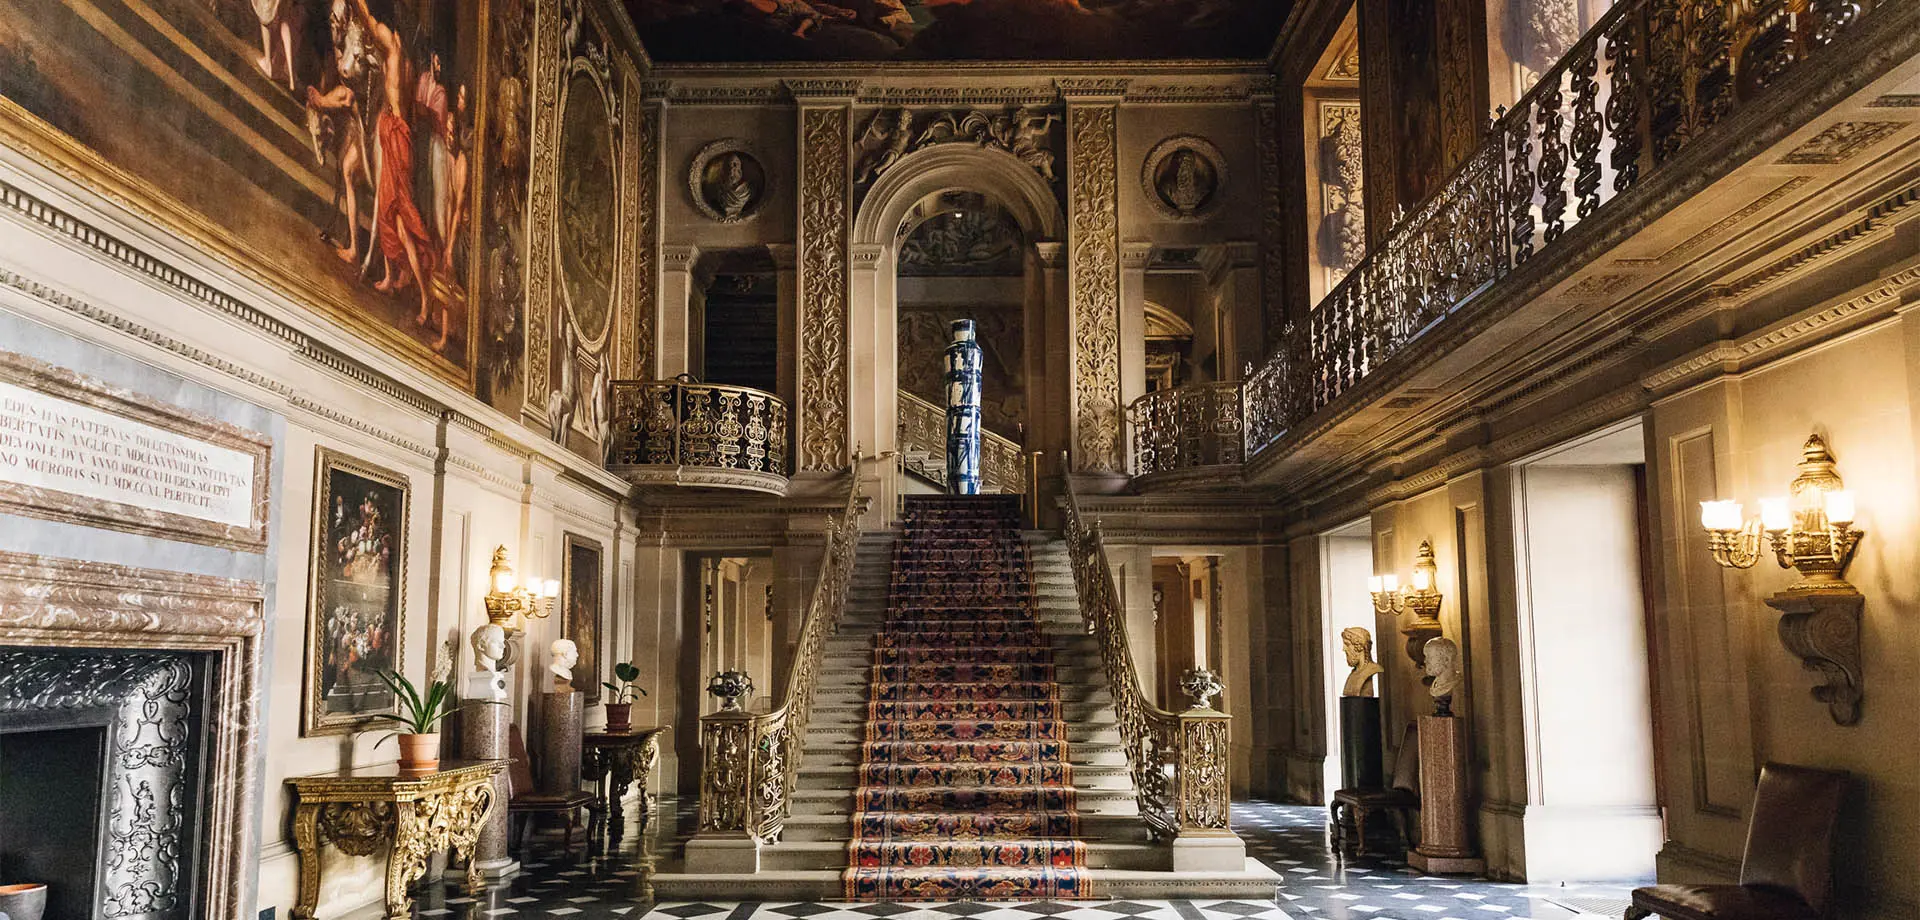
(127, 737)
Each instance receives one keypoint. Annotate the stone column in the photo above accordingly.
(821, 422)
(561, 716)
(678, 288)
(1134, 256)
(787, 304)
(1093, 272)
(483, 736)
(1244, 309)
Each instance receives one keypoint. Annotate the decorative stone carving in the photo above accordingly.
(1841, 142)
(646, 245)
(1343, 216)
(823, 288)
(1094, 280)
(1184, 177)
(1443, 673)
(1273, 222)
(1025, 132)
(727, 181)
(1358, 645)
(1822, 629)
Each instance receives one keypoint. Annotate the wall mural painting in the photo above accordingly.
(591, 241)
(584, 613)
(813, 30)
(326, 144)
(356, 608)
(503, 228)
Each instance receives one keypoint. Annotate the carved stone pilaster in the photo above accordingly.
(1094, 282)
(1822, 628)
(824, 387)
(1273, 229)
(646, 262)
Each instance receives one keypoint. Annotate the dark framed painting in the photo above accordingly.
(584, 612)
(356, 609)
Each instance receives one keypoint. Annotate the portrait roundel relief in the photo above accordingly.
(727, 182)
(1184, 177)
(588, 221)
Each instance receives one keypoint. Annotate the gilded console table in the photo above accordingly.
(417, 814)
(615, 761)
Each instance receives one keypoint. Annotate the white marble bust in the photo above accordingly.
(1443, 667)
(1358, 644)
(565, 655)
(489, 646)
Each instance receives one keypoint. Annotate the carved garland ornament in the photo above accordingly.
(1094, 277)
(646, 267)
(545, 182)
(1273, 228)
(823, 288)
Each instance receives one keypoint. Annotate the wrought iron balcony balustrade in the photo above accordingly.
(685, 433)
(1648, 81)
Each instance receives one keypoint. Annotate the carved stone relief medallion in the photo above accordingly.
(1184, 177)
(727, 181)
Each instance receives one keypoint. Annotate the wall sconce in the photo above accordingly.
(1811, 532)
(1420, 597)
(509, 602)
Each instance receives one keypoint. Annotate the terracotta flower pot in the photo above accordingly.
(24, 901)
(420, 753)
(619, 717)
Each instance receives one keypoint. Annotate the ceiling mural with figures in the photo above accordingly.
(690, 31)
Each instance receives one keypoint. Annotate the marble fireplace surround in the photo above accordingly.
(62, 603)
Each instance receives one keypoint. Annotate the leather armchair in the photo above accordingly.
(1787, 870)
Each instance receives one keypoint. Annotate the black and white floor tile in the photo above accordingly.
(1314, 885)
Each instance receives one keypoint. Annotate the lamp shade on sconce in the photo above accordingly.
(1721, 515)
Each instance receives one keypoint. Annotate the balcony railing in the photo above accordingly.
(1644, 84)
(1190, 429)
(923, 449)
(686, 433)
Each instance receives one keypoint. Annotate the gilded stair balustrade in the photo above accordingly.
(923, 449)
(750, 761)
(1649, 80)
(1179, 761)
(686, 433)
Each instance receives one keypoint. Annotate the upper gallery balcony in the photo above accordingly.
(1645, 162)
(685, 433)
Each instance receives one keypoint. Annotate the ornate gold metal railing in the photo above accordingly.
(750, 761)
(1179, 761)
(1646, 83)
(1188, 427)
(684, 432)
(923, 441)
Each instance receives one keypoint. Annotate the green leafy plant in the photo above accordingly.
(623, 692)
(418, 715)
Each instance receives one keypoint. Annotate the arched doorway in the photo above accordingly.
(948, 232)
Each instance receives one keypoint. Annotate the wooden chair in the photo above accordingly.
(523, 803)
(1399, 798)
(1787, 870)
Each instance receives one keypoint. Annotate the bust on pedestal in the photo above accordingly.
(1446, 845)
(1360, 747)
(484, 724)
(561, 715)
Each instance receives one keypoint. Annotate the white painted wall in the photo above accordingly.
(1346, 561)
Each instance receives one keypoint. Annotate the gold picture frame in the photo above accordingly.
(356, 600)
(584, 610)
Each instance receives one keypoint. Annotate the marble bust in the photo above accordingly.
(488, 680)
(1358, 644)
(1443, 668)
(565, 655)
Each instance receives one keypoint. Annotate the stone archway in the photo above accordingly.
(1031, 201)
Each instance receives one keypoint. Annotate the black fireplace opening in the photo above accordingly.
(102, 774)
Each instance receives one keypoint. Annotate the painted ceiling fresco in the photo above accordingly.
(955, 30)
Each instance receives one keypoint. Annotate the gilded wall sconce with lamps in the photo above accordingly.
(511, 604)
(1421, 598)
(1811, 532)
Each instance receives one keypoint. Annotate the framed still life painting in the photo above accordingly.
(583, 612)
(356, 609)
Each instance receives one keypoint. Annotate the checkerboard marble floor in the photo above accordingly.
(594, 884)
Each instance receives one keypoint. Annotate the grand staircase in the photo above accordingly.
(1112, 855)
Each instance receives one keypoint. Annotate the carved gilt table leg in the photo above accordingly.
(306, 842)
(413, 845)
(463, 831)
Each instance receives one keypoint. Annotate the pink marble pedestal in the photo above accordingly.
(1446, 844)
(558, 770)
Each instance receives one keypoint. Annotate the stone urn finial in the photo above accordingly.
(1200, 685)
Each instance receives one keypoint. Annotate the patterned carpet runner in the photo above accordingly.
(966, 789)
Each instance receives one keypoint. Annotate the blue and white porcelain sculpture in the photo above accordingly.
(963, 411)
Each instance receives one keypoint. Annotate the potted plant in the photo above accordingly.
(418, 719)
(620, 704)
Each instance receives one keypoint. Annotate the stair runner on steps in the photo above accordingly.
(965, 786)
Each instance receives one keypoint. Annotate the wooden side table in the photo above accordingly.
(418, 814)
(614, 761)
